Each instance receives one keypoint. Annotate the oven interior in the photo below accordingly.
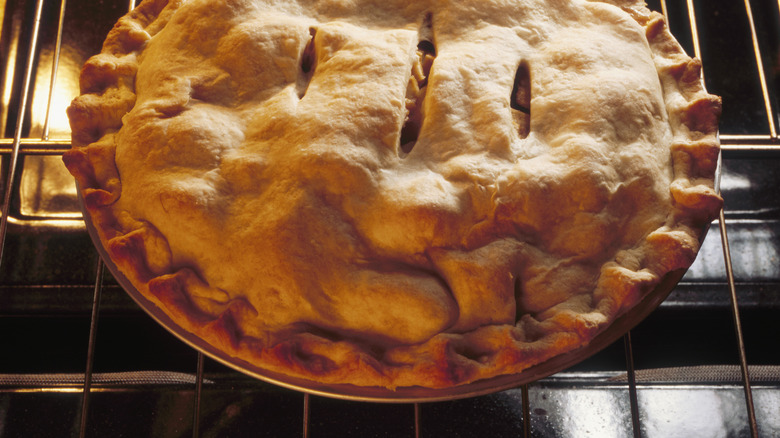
(79, 358)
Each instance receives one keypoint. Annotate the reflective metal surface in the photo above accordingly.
(567, 406)
(48, 276)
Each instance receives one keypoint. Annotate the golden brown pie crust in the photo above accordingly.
(244, 166)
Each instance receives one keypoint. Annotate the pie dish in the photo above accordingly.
(395, 193)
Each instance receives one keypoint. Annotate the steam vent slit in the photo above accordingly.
(520, 100)
(416, 88)
(308, 64)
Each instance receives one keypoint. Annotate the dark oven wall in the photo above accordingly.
(681, 378)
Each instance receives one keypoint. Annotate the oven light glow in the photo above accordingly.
(65, 89)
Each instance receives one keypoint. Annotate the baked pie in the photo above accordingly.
(395, 193)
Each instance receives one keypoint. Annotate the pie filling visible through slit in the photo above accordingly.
(395, 193)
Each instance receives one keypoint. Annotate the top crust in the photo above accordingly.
(248, 166)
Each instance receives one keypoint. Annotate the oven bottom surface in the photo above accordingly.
(565, 406)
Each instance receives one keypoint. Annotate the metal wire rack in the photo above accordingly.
(27, 126)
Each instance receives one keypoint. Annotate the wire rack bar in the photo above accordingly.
(738, 328)
(526, 411)
(665, 11)
(307, 414)
(761, 74)
(417, 433)
(26, 147)
(694, 30)
(54, 67)
(198, 394)
(731, 141)
(631, 378)
(18, 131)
(93, 326)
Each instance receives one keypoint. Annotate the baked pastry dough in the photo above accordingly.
(392, 192)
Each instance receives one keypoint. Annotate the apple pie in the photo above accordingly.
(395, 193)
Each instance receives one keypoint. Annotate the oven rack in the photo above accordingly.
(628, 384)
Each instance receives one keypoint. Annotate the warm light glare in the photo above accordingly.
(66, 87)
(8, 78)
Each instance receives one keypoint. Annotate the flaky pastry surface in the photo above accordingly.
(395, 193)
